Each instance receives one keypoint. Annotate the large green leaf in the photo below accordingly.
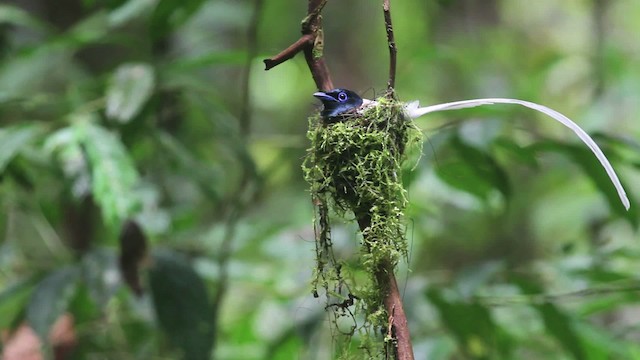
(474, 171)
(129, 89)
(113, 175)
(90, 29)
(519, 154)
(205, 174)
(169, 14)
(51, 299)
(129, 11)
(584, 158)
(100, 270)
(66, 147)
(12, 301)
(182, 305)
(16, 16)
(13, 139)
(473, 327)
(601, 344)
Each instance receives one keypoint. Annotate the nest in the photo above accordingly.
(354, 165)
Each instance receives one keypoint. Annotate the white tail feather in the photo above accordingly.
(414, 111)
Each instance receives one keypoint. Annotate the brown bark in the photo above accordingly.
(398, 327)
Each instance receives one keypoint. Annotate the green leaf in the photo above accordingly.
(475, 171)
(12, 300)
(519, 154)
(560, 326)
(206, 175)
(25, 75)
(460, 176)
(484, 339)
(113, 175)
(51, 299)
(89, 30)
(169, 14)
(129, 89)
(601, 344)
(584, 158)
(16, 16)
(13, 139)
(182, 305)
(100, 270)
(66, 146)
(129, 11)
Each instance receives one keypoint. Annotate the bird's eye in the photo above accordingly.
(342, 96)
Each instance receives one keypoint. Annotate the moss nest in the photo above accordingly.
(354, 165)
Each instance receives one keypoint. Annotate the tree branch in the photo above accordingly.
(311, 43)
(388, 287)
(393, 51)
(289, 52)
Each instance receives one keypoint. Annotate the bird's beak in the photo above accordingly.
(323, 96)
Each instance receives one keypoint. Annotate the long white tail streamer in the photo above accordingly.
(413, 110)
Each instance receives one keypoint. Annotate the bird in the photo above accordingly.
(338, 102)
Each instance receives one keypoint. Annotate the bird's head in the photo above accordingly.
(338, 101)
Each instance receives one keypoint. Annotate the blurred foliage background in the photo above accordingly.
(153, 205)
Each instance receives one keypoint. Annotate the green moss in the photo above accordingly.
(354, 168)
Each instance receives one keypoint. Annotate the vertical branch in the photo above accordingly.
(398, 327)
(393, 51)
(312, 44)
(313, 53)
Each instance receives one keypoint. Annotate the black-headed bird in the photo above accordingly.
(339, 102)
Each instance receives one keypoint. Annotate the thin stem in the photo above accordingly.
(539, 299)
(393, 50)
(388, 286)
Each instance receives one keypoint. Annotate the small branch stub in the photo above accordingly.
(288, 53)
